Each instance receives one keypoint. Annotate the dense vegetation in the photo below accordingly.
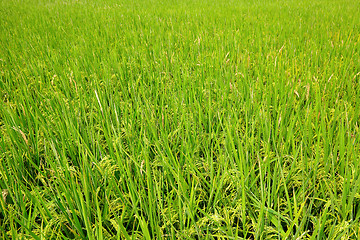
(179, 119)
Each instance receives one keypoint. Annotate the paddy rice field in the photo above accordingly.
(164, 119)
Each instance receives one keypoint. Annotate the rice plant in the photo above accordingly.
(180, 119)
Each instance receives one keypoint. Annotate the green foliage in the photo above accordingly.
(179, 119)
